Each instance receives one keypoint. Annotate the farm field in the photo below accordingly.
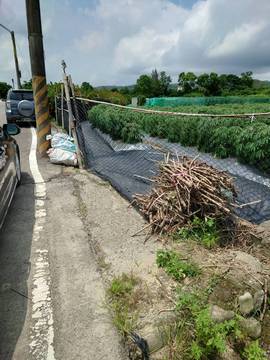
(244, 138)
(216, 109)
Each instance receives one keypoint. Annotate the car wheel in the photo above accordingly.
(18, 168)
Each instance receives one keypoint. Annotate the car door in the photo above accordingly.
(7, 173)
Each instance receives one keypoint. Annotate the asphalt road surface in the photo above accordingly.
(15, 254)
(51, 293)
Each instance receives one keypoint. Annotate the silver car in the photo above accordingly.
(20, 106)
(10, 168)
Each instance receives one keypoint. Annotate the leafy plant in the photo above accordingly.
(175, 266)
(205, 231)
(248, 140)
(253, 351)
(210, 337)
(131, 133)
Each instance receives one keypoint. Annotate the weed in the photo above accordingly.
(210, 337)
(122, 299)
(122, 286)
(212, 283)
(175, 266)
(253, 351)
(204, 231)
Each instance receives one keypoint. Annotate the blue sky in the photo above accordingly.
(113, 42)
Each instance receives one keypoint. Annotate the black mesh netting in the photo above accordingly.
(127, 168)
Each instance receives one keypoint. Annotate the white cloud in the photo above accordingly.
(113, 42)
(237, 40)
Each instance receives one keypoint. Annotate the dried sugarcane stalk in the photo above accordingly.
(182, 188)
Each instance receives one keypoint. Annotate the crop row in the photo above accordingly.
(217, 109)
(245, 139)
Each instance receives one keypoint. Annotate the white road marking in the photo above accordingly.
(42, 331)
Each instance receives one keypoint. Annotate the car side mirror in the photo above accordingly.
(11, 129)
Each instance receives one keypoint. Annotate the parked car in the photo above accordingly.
(10, 167)
(20, 106)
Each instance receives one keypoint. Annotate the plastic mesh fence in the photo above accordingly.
(128, 167)
(211, 100)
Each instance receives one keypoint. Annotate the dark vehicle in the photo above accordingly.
(10, 168)
(20, 106)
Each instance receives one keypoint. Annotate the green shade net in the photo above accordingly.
(212, 100)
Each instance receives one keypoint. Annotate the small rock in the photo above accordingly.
(251, 327)
(246, 303)
(229, 354)
(258, 299)
(266, 241)
(220, 315)
(248, 265)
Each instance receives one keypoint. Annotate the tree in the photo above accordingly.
(187, 81)
(210, 84)
(124, 90)
(4, 87)
(165, 81)
(156, 86)
(246, 79)
(27, 84)
(86, 86)
(144, 86)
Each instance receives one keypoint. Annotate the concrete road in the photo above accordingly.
(51, 293)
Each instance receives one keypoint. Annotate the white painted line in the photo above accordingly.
(42, 330)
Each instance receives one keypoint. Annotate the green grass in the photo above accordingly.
(122, 286)
(175, 266)
(123, 300)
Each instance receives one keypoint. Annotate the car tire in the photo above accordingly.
(18, 167)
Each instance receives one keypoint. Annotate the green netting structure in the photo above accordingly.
(211, 100)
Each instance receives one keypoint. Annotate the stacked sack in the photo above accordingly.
(63, 150)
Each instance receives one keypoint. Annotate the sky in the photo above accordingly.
(112, 42)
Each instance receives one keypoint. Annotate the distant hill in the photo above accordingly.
(261, 83)
(109, 87)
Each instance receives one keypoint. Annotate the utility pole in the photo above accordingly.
(18, 72)
(38, 74)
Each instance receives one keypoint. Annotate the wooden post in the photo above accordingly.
(62, 105)
(56, 109)
(74, 133)
(73, 97)
(70, 114)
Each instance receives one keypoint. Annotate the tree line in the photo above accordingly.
(159, 84)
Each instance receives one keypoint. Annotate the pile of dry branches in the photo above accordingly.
(184, 188)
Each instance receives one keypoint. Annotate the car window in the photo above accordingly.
(15, 96)
(21, 96)
(28, 96)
